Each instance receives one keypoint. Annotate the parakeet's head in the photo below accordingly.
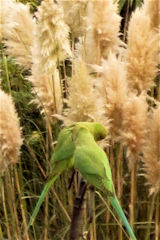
(96, 129)
(99, 132)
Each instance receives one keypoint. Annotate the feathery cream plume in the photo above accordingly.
(51, 45)
(103, 26)
(114, 89)
(152, 152)
(142, 53)
(134, 126)
(17, 26)
(5, 7)
(84, 103)
(51, 36)
(152, 8)
(48, 93)
(75, 16)
(10, 132)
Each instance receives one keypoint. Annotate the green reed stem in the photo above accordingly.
(7, 73)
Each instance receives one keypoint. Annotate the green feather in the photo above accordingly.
(63, 151)
(62, 159)
(116, 205)
(96, 129)
(93, 164)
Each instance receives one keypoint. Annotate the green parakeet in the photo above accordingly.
(98, 131)
(62, 157)
(93, 164)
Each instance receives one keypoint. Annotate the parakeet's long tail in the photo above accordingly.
(116, 205)
(41, 199)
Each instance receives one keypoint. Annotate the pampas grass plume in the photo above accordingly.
(134, 128)
(75, 16)
(5, 7)
(51, 37)
(10, 132)
(17, 26)
(103, 30)
(84, 103)
(51, 45)
(152, 152)
(152, 8)
(114, 89)
(142, 53)
(47, 88)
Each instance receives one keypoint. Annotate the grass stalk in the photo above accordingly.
(119, 184)
(7, 73)
(35, 158)
(70, 199)
(108, 214)
(92, 213)
(119, 224)
(98, 50)
(46, 222)
(5, 212)
(49, 140)
(91, 232)
(21, 203)
(12, 205)
(133, 195)
(62, 206)
(158, 97)
(157, 220)
(126, 22)
(63, 82)
(1, 233)
(150, 216)
(94, 220)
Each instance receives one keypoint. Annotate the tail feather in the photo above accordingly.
(116, 205)
(41, 199)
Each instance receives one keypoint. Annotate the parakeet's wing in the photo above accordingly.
(61, 158)
(65, 147)
(93, 164)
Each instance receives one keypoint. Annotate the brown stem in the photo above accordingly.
(5, 212)
(91, 214)
(133, 194)
(126, 22)
(12, 204)
(151, 211)
(77, 217)
(94, 219)
(157, 221)
(21, 203)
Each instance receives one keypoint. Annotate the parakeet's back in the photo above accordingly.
(92, 161)
(64, 149)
